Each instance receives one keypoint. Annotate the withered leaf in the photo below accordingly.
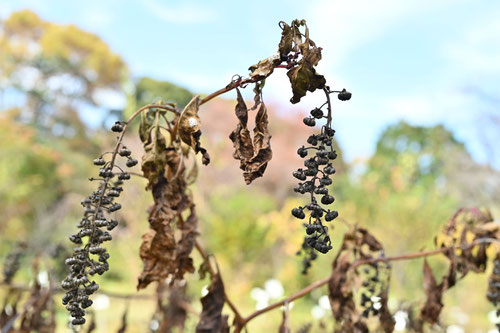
(285, 45)
(154, 158)
(189, 121)
(464, 227)
(256, 165)
(183, 261)
(146, 125)
(123, 326)
(211, 319)
(40, 301)
(189, 128)
(302, 75)
(162, 254)
(204, 269)
(171, 307)
(433, 305)
(387, 321)
(253, 154)
(192, 174)
(304, 78)
(357, 244)
(9, 308)
(265, 67)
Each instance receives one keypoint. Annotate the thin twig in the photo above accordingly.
(229, 87)
(24, 288)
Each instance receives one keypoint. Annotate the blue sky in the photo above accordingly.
(423, 61)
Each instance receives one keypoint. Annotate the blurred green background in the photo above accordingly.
(51, 73)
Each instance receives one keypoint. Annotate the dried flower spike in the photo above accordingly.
(91, 258)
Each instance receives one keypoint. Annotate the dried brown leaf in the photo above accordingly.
(433, 304)
(265, 67)
(256, 165)
(211, 319)
(189, 128)
(286, 41)
(162, 254)
(387, 321)
(342, 298)
(253, 154)
(39, 301)
(154, 158)
(304, 78)
(204, 269)
(9, 308)
(171, 307)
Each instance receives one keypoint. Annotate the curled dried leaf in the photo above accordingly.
(265, 67)
(162, 253)
(253, 154)
(433, 305)
(302, 74)
(304, 78)
(154, 158)
(171, 307)
(211, 319)
(189, 128)
(286, 41)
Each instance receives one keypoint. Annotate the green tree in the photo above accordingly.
(57, 68)
(148, 90)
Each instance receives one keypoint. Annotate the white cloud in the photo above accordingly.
(185, 12)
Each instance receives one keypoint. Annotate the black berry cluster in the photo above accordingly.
(374, 284)
(315, 178)
(13, 262)
(493, 294)
(89, 257)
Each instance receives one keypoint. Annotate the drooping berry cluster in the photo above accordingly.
(374, 284)
(315, 179)
(13, 262)
(89, 257)
(493, 294)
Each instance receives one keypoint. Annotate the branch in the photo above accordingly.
(25, 288)
(355, 264)
(234, 84)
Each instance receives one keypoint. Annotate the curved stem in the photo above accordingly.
(224, 90)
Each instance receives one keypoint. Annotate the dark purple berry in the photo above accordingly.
(330, 216)
(309, 121)
(298, 213)
(344, 95)
(99, 161)
(302, 151)
(312, 140)
(131, 162)
(124, 151)
(329, 170)
(316, 113)
(327, 199)
(117, 127)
